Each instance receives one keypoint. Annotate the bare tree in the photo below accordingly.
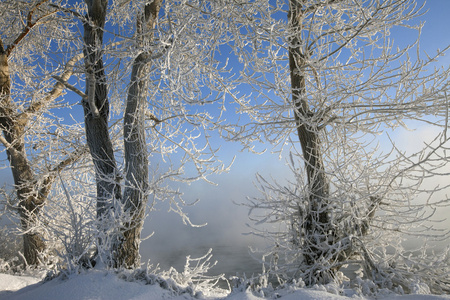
(348, 84)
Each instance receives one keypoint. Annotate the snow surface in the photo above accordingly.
(14, 283)
(100, 284)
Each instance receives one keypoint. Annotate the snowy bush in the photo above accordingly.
(10, 243)
(193, 280)
(364, 230)
(10, 247)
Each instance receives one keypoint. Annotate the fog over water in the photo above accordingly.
(227, 221)
(226, 230)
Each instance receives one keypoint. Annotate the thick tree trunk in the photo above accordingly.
(136, 157)
(13, 127)
(96, 112)
(316, 229)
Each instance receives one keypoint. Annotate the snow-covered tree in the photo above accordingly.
(169, 49)
(31, 30)
(327, 75)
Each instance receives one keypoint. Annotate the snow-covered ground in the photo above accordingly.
(100, 284)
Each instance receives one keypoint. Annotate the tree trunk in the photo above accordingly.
(30, 203)
(317, 221)
(136, 157)
(136, 164)
(96, 112)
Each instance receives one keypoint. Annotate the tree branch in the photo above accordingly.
(57, 88)
(70, 87)
(28, 27)
(317, 5)
(5, 143)
(72, 157)
(48, 181)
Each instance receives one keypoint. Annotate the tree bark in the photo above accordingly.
(317, 221)
(96, 112)
(136, 156)
(30, 203)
